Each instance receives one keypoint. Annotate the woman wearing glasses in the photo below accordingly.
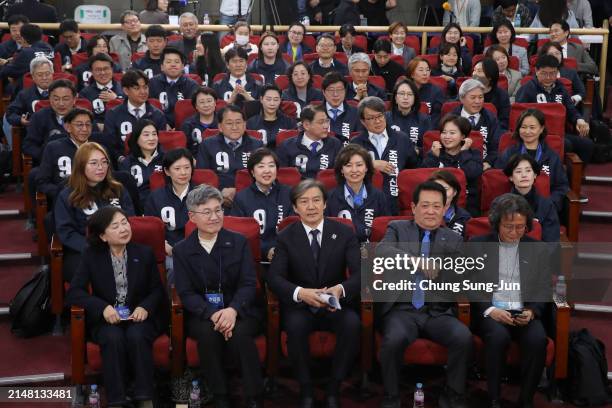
(216, 281)
(294, 46)
(90, 187)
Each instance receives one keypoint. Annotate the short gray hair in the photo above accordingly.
(509, 204)
(469, 85)
(359, 57)
(38, 62)
(371, 102)
(201, 195)
(188, 15)
(128, 13)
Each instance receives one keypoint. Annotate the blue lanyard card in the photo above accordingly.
(215, 300)
(123, 312)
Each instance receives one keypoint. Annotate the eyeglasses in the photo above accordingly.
(131, 21)
(98, 164)
(208, 213)
(102, 70)
(516, 228)
(298, 33)
(80, 125)
(547, 74)
(378, 117)
(335, 90)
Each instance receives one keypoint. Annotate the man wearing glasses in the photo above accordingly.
(546, 88)
(392, 150)
(326, 62)
(56, 165)
(130, 41)
(216, 281)
(229, 151)
(344, 118)
(103, 88)
(312, 150)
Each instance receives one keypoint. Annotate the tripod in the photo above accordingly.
(425, 8)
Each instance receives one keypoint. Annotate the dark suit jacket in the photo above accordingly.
(293, 264)
(585, 62)
(402, 237)
(535, 280)
(144, 284)
(197, 271)
(35, 11)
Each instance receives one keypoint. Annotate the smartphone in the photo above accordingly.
(515, 313)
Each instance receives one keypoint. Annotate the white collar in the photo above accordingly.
(331, 63)
(384, 134)
(339, 107)
(318, 227)
(145, 162)
(131, 108)
(169, 80)
(108, 86)
(467, 115)
(228, 140)
(306, 141)
(233, 79)
(181, 196)
(40, 90)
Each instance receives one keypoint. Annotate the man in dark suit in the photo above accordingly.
(311, 259)
(216, 281)
(517, 260)
(560, 32)
(419, 314)
(34, 10)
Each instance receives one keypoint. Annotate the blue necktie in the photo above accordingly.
(314, 244)
(473, 120)
(314, 146)
(44, 94)
(335, 112)
(238, 82)
(233, 145)
(418, 295)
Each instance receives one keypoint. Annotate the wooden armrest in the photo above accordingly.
(17, 132)
(177, 334)
(587, 102)
(562, 339)
(41, 212)
(576, 166)
(272, 333)
(573, 216)
(77, 339)
(57, 278)
(568, 253)
(367, 331)
(463, 312)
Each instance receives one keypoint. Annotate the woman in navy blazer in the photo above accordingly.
(215, 279)
(125, 308)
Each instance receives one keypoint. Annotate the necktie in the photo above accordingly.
(378, 144)
(233, 145)
(172, 83)
(137, 113)
(44, 94)
(335, 112)
(314, 146)
(314, 244)
(104, 89)
(418, 295)
(239, 82)
(473, 120)
(60, 121)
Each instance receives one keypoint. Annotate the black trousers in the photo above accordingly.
(127, 353)
(532, 341)
(402, 325)
(70, 263)
(299, 323)
(582, 146)
(212, 347)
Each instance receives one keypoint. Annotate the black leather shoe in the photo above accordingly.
(391, 402)
(332, 401)
(451, 399)
(306, 402)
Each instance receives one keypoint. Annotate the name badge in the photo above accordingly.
(123, 312)
(215, 300)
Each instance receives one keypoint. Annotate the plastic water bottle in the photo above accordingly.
(194, 395)
(561, 289)
(94, 397)
(517, 19)
(206, 19)
(419, 396)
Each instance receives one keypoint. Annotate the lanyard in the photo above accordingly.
(538, 156)
(206, 280)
